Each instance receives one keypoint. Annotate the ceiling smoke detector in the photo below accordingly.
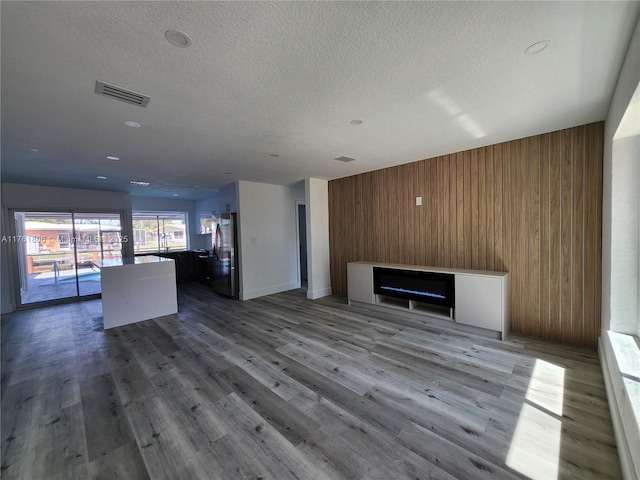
(122, 94)
(345, 159)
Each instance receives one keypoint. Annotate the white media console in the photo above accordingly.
(481, 297)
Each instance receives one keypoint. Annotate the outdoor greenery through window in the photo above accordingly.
(159, 231)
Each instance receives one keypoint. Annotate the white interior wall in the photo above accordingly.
(317, 200)
(6, 302)
(228, 199)
(224, 200)
(205, 208)
(217, 203)
(267, 228)
(620, 185)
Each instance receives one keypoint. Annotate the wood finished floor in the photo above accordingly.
(286, 388)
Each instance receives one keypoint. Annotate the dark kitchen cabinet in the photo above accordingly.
(187, 265)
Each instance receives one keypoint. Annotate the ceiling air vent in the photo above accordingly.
(345, 159)
(120, 93)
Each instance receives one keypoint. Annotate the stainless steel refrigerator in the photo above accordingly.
(225, 258)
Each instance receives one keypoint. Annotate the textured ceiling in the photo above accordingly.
(267, 91)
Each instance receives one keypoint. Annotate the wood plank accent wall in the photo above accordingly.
(531, 207)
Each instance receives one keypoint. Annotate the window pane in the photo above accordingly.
(174, 237)
(145, 234)
(158, 231)
(98, 243)
(45, 256)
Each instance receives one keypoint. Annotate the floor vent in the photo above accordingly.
(122, 94)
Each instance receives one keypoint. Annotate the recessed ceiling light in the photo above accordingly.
(34, 150)
(345, 159)
(274, 155)
(111, 157)
(356, 121)
(139, 183)
(178, 39)
(131, 123)
(175, 194)
(228, 173)
(101, 177)
(537, 47)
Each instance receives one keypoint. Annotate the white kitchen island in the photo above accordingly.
(137, 289)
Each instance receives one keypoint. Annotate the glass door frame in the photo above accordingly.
(14, 255)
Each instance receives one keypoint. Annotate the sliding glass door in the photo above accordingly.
(43, 243)
(59, 254)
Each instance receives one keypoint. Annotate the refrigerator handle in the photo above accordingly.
(217, 245)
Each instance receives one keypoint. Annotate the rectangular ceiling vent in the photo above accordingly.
(345, 159)
(119, 93)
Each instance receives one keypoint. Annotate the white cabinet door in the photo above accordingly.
(479, 301)
(360, 283)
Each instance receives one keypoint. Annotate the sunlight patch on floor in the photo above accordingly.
(535, 446)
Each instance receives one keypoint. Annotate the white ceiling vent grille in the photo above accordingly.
(345, 159)
(120, 93)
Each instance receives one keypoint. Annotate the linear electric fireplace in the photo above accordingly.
(427, 287)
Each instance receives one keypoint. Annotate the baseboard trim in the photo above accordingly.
(261, 292)
(323, 292)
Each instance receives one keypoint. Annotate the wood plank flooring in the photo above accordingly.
(281, 387)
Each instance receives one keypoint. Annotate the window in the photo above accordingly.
(159, 231)
(64, 241)
(206, 224)
(625, 223)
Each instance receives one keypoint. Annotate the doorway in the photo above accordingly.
(59, 254)
(302, 243)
